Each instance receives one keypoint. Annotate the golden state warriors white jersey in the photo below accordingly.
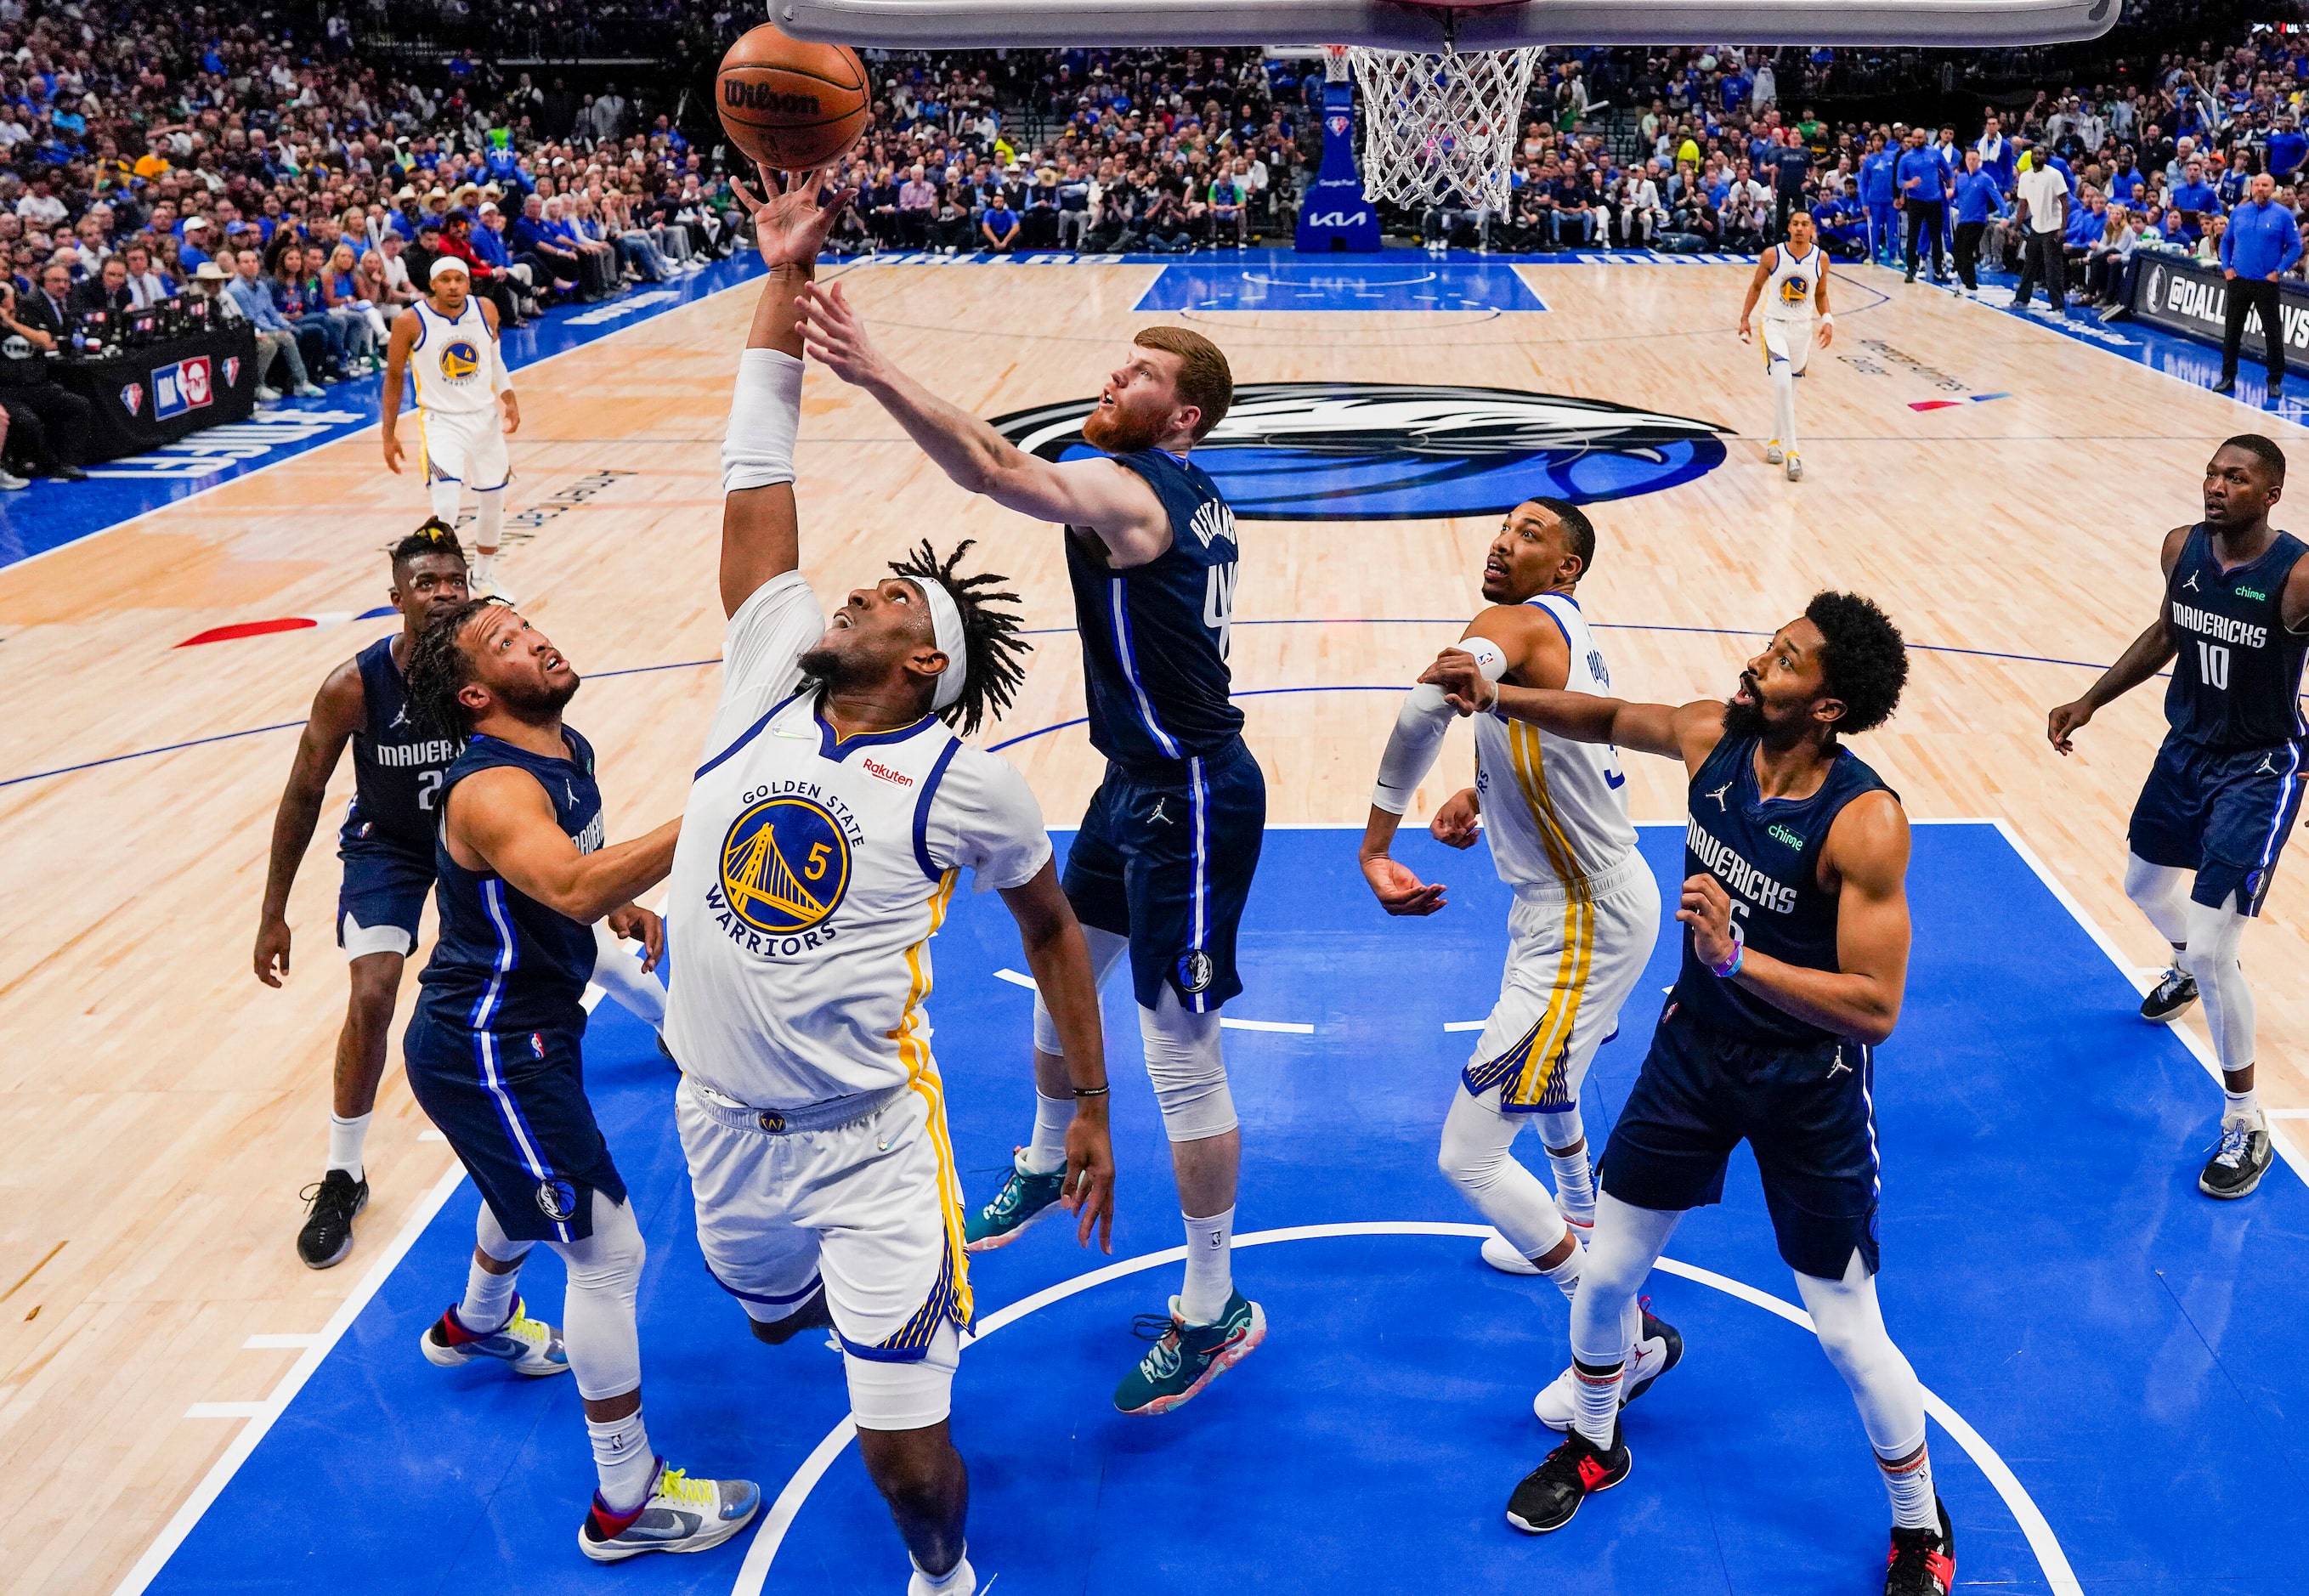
(455, 363)
(812, 871)
(1555, 811)
(1788, 292)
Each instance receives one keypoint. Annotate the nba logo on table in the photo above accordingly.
(131, 397)
(231, 370)
(181, 387)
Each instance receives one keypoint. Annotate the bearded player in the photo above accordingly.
(386, 845)
(1792, 280)
(824, 836)
(1162, 864)
(1587, 910)
(465, 405)
(1795, 954)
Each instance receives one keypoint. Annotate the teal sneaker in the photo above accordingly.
(1189, 1357)
(1025, 1197)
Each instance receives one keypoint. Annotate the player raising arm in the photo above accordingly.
(1795, 950)
(833, 813)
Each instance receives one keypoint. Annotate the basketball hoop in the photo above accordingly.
(1437, 124)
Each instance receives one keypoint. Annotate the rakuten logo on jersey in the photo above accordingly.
(887, 775)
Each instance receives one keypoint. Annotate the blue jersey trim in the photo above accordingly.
(485, 1047)
(922, 811)
(836, 747)
(745, 736)
(1118, 607)
(1536, 602)
(766, 1299)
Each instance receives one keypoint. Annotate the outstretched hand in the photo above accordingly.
(1399, 888)
(789, 226)
(834, 334)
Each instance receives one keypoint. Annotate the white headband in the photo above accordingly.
(945, 626)
(443, 265)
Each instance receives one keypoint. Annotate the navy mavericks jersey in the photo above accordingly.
(397, 762)
(2237, 681)
(1767, 854)
(1155, 637)
(505, 962)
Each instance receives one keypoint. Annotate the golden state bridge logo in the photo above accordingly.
(785, 865)
(460, 361)
(1795, 291)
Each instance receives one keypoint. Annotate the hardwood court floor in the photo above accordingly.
(159, 1110)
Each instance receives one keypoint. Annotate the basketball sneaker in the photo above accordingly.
(1922, 1561)
(1773, 452)
(2239, 1161)
(1505, 1256)
(1024, 1198)
(2174, 991)
(1186, 1357)
(525, 1345)
(1660, 1350)
(680, 1514)
(328, 1233)
(1796, 467)
(1552, 1493)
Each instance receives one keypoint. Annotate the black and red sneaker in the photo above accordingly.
(1922, 1561)
(1552, 1493)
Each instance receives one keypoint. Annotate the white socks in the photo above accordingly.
(1566, 1274)
(1210, 1274)
(1046, 1154)
(1908, 1481)
(2240, 1107)
(1575, 1172)
(623, 1458)
(1784, 403)
(346, 1138)
(1597, 1388)
(961, 1580)
(492, 518)
(489, 1298)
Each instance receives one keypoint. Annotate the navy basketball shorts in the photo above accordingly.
(2224, 814)
(1804, 1109)
(1165, 857)
(382, 896)
(513, 1106)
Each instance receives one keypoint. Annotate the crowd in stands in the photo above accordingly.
(150, 153)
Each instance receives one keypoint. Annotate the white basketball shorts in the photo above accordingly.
(464, 446)
(872, 1208)
(1573, 959)
(1789, 341)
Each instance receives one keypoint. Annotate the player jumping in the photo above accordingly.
(448, 345)
(1162, 864)
(495, 1057)
(1792, 280)
(1587, 910)
(2226, 789)
(1795, 954)
(826, 832)
(386, 844)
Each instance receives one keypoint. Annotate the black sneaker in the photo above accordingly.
(2176, 989)
(2238, 1163)
(328, 1233)
(1552, 1493)
(1922, 1561)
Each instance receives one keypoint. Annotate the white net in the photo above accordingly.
(1438, 127)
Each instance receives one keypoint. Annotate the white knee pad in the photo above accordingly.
(597, 1317)
(2213, 935)
(1106, 951)
(912, 1395)
(1558, 1131)
(445, 496)
(2160, 892)
(491, 1238)
(1850, 1324)
(1188, 1068)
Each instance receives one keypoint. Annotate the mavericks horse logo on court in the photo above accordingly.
(785, 865)
(460, 361)
(1404, 451)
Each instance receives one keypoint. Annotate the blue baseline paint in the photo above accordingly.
(1398, 282)
(2050, 1269)
(50, 514)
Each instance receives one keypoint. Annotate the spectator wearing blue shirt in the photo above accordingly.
(1923, 182)
(190, 256)
(2287, 149)
(1997, 154)
(1840, 221)
(1877, 193)
(1977, 198)
(2260, 245)
(2192, 201)
(252, 296)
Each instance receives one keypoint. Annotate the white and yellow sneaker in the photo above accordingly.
(527, 1346)
(680, 1514)
(1772, 453)
(1796, 467)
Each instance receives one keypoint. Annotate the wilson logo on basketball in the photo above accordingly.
(740, 96)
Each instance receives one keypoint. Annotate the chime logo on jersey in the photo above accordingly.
(785, 865)
(460, 361)
(1403, 451)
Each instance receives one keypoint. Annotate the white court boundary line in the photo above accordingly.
(763, 1548)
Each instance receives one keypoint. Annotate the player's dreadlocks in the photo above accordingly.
(438, 668)
(992, 643)
(435, 537)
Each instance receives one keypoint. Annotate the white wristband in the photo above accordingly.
(764, 414)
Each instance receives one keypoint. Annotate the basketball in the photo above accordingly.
(788, 105)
